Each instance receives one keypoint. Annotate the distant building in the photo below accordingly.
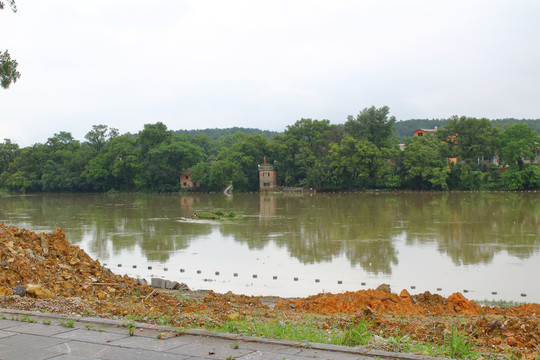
(185, 180)
(422, 132)
(267, 177)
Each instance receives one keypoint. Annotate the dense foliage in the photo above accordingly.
(363, 153)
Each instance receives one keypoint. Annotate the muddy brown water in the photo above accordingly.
(485, 245)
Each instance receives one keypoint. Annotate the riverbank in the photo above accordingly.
(49, 274)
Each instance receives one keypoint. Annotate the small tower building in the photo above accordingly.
(267, 177)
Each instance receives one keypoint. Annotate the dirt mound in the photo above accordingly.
(379, 301)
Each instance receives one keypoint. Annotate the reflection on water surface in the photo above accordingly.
(481, 242)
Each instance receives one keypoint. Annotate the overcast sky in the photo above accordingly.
(263, 64)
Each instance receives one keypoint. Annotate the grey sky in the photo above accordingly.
(264, 64)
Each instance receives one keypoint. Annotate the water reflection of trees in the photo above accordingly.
(319, 228)
(115, 223)
(470, 228)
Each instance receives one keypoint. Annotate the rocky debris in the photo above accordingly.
(50, 263)
(141, 281)
(167, 284)
(19, 290)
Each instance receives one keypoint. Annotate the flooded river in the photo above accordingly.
(487, 244)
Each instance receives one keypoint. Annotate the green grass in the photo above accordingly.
(357, 334)
(404, 344)
(499, 303)
(457, 345)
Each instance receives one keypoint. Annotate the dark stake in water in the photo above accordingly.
(484, 244)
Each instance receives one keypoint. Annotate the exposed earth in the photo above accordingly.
(43, 271)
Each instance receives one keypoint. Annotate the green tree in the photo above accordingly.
(471, 140)
(8, 152)
(115, 167)
(166, 162)
(372, 124)
(8, 66)
(199, 175)
(301, 146)
(151, 136)
(64, 167)
(516, 143)
(241, 160)
(99, 135)
(224, 172)
(8, 70)
(163, 157)
(353, 162)
(526, 178)
(11, 4)
(24, 172)
(425, 166)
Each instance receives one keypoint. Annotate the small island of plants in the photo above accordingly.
(214, 215)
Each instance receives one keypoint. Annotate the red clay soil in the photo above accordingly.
(60, 277)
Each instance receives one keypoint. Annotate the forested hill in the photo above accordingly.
(215, 134)
(403, 128)
(406, 128)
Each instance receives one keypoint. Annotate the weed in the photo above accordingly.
(160, 334)
(181, 297)
(130, 324)
(46, 322)
(355, 335)
(164, 320)
(89, 326)
(230, 357)
(460, 345)
(68, 323)
(28, 319)
(235, 346)
(3, 317)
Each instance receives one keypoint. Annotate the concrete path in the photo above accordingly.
(59, 337)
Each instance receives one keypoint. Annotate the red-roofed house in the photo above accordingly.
(421, 132)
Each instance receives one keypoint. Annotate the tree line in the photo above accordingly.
(363, 153)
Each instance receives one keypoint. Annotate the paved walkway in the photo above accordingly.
(91, 338)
